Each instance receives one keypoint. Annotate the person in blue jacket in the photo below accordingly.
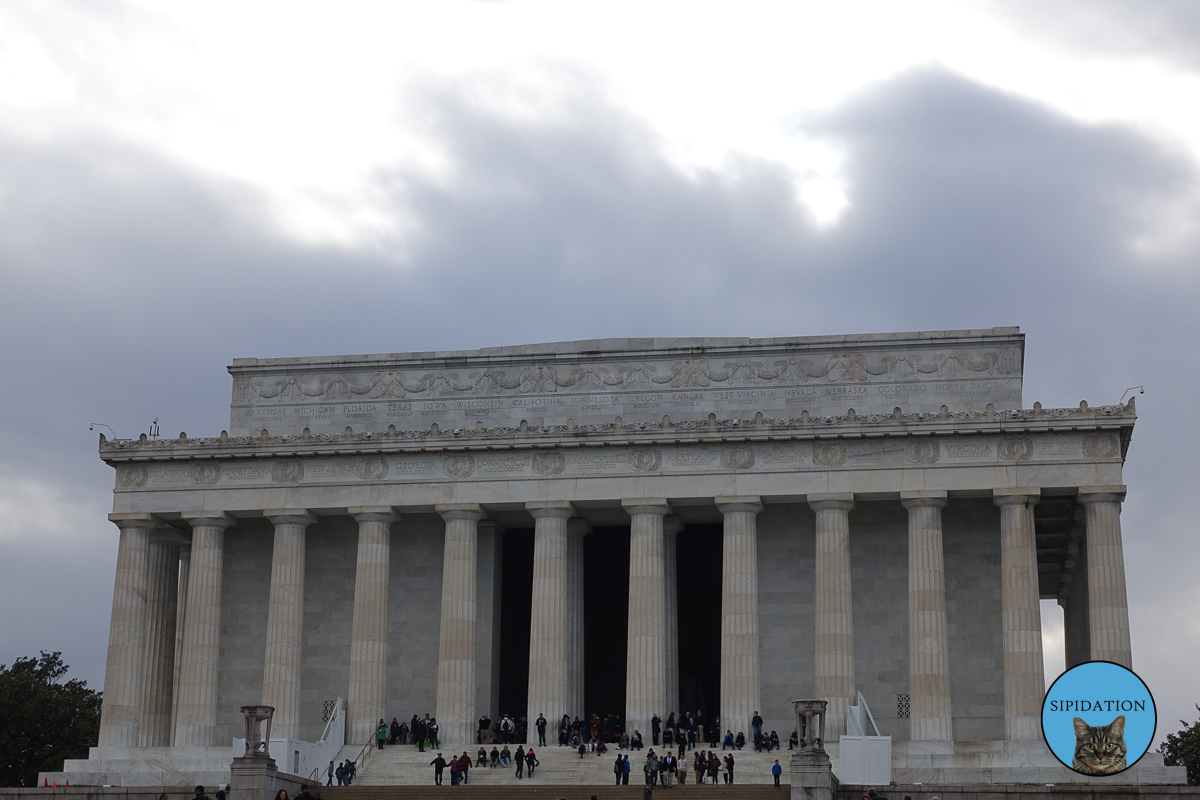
(776, 771)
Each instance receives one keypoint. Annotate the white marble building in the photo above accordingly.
(891, 515)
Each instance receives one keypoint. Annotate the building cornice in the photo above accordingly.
(619, 434)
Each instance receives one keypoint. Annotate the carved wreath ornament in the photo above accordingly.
(687, 373)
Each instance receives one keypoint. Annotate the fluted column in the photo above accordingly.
(1021, 614)
(1077, 640)
(456, 646)
(366, 703)
(1108, 603)
(126, 633)
(285, 620)
(577, 528)
(741, 691)
(549, 635)
(645, 671)
(489, 592)
(185, 568)
(928, 650)
(196, 707)
(158, 664)
(671, 528)
(834, 610)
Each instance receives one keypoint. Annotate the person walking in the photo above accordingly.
(520, 759)
(351, 771)
(329, 781)
(340, 773)
(454, 771)
(651, 769)
(667, 768)
(393, 731)
(531, 761)
(464, 766)
(776, 771)
(540, 724)
(655, 728)
(438, 765)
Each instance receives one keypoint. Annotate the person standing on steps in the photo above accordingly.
(776, 771)
(625, 772)
(520, 759)
(464, 766)
(329, 772)
(438, 765)
(729, 764)
(756, 722)
(381, 733)
(655, 728)
(531, 760)
(485, 726)
(541, 728)
(618, 768)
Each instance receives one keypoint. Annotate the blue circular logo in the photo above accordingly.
(1098, 718)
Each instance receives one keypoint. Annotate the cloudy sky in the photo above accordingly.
(183, 184)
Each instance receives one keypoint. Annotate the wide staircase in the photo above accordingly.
(403, 765)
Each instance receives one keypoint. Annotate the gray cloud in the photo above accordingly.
(130, 282)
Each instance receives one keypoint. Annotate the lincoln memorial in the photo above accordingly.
(621, 526)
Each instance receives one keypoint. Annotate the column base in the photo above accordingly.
(812, 776)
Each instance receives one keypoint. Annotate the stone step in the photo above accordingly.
(549, 792)
(403, 765)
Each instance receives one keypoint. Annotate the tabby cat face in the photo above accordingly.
(1099, 750)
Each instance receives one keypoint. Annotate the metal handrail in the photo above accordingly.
(363, 756)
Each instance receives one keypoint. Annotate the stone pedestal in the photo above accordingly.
(928, 651)
(126, 633)
(741, 691)
(196, 704)
(834, 676)
(1108, 604)
(811, 772)
(645, 671)
(253, 775)
(549, 634)
(158, 665)
(1021, 615)
(456, 647)
(367, 694)
(285, 620)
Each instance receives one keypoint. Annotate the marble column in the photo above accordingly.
(126, 633)
(489, 589)
(1021, 614)
(456, 646)
(366, 701)
(671, 528)
(285, 620)
(928, 651)
(196, 707)
(1108, 604)
(741, 690)
(158, 664)
(646, 664)
(577, 528)
(834, 675)
(1076, 618)
(185, 567)
(549, 635)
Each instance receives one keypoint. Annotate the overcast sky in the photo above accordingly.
(183, 184)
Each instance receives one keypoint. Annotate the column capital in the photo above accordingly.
(292, 516)
(386, 514)
(831, 501)
(647, 505)
(1016, 496)
(550, 508)
(214, 519)
(924, 498)
(457, 511)
(1102, 494)
(731, 503)
(672, 525)
(134, 520)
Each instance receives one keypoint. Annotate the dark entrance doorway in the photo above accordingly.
(698, 587)
(605, 619)
(515, 610)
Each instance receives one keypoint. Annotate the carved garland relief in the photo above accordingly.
(688, 373)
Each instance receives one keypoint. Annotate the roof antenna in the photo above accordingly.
(1141, 390)
(154, 429)
(92, 427)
